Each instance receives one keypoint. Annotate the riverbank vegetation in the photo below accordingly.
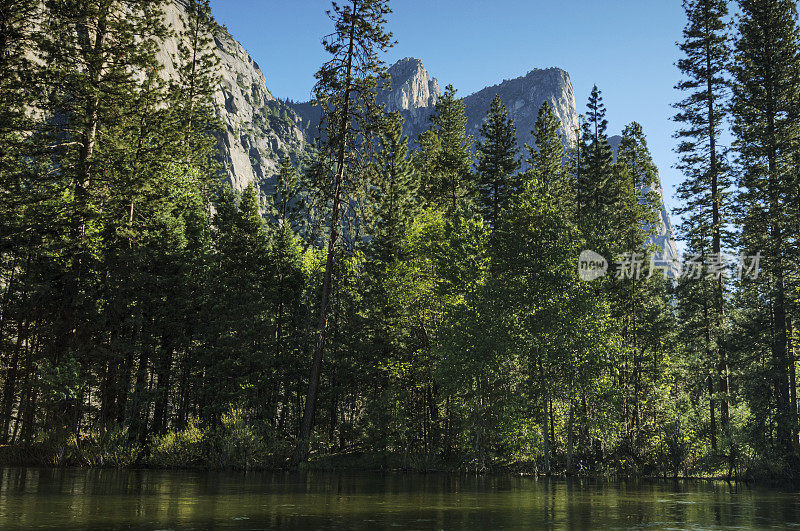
(413, 302)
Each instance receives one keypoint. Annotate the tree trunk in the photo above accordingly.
(716, 239)
(140, 408)
(780, 360)
(164, 373)
(570, 437)
(712, 413)
(10, 385)
(307, 424)
(545, 428)
(793, 386)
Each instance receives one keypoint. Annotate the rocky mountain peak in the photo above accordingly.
(524, 96)
(259, 130)
(413, 92)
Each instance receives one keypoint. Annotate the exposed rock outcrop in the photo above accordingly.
(258, 128)
(414, 93)
(524, 97)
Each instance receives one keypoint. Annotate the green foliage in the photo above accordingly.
(394, 193)
(546, 157)
(707, 209)
(180, 448)
(150, 315)
(60, 383)
(197, 79)
(497, 161)
(351, 120)
(235, 444)
(765, 91)
(105, 447)
(287, 206)
(594, 178)
(446, 174)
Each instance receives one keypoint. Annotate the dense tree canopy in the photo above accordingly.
(150, 313)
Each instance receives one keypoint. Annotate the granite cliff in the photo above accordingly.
(260, 129)
(415, 93)
(524, 97)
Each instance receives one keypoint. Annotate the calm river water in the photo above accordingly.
(107, 499)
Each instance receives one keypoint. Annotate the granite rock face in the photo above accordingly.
(524, 97)
(665, 237)
(414, 93)
(258, 128)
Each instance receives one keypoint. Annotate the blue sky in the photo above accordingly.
(626, 47)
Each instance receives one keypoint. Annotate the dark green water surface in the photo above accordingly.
(106, 499)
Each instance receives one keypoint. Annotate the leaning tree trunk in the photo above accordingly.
(309, 412)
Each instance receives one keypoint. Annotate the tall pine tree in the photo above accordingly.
(765, 96)
(91, 57)
(394, 192)
(498, 161)
(705, 191)
(546, 159)
(345, 90)
(594, 195)
(447, 178)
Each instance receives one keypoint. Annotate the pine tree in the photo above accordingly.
(594, 195)
(288, 280)
(19, 195)
(546, 158)
(160, 194)
(705, 192)
(449, 178)
(428, 147)
(394, 194)
(765, 95)
(236, 354)
(537, 242)
(197, 80)
(538, 215)
(16, 89)
(636, 180)
(287, 201)
(345, 90)
(471, 359)
(16, 80)
(634, 218)
(90, 57)
(498, 161)
(140, 233)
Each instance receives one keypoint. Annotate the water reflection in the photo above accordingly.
(163, 499)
